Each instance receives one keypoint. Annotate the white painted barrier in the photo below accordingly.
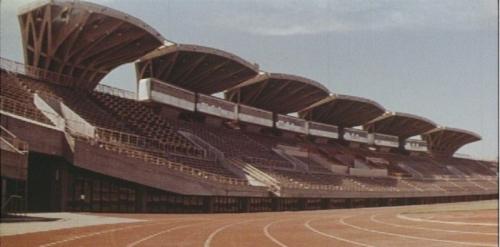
(323, 130)
(216, 107)
(290, 123)
(385, 140)
(255, 116)
(416, 145)
(151, 89)
(368, 172)
(356, 135)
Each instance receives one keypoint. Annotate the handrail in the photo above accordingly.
(8, 201)
(157, 160)
(15, 143)
(21, 109)
(219, 155)
(139, 141)
(4, 130)
(46, 75)
(117, 137)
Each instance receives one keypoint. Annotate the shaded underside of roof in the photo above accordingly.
(343, 110)
(446, 141)
(82, 40)
(196, 68)
(403, 125)
(280, 93)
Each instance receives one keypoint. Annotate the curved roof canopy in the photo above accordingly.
(280, 93)
(399, 124)
(196, 68)
(343, 110)
(446, 141)
(82, 40)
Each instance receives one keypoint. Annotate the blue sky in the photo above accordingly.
(437, 59)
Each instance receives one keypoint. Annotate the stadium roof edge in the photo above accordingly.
(334, 96)
(388, 114)
(463, 131)
(403, 125)
(446, 140)
(94, 7)
(263, 75)
(173, 47)
(342, 110)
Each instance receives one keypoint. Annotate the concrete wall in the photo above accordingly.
(135, 170)
(13, 165)
(309, 193)
(368, 172)
(40, 138)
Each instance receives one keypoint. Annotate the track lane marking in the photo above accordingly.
(373, 218)
(307, 225)
(404, 217)
(106, 231)
(208, 241)
(92, 234)
(409, 236)
(160, 233)
(268, 235)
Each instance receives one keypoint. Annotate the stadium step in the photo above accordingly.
(298, 165)
(258, 175)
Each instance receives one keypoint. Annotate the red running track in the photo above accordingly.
(388, 226)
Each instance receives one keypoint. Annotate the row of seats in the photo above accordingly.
(78, 102)
(136, 118)
(235, 143)
(146, 122)
(313, 166)
(17, 100)
(160, 158)
(22, 88)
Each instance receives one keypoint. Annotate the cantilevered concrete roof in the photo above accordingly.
(403, 125)
(446, 140)
(196, 68)
(280, 93)
(82, 40)
(343, 110)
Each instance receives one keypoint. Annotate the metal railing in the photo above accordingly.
(211, 151)
(42, 74)
(15, 143)
(119, 138)
(14, 205)
(122, 139)
(157, 160)
(22, 109)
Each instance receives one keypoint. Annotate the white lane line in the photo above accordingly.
(159, 233)
(307, 224)
(104, 232)
(373, 218)
(268, 235)
(411, 237)
(404, 217)
(92, 234)
(208, 241)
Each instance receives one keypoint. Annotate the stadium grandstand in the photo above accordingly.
(271, 142)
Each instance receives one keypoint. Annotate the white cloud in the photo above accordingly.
(304, 17)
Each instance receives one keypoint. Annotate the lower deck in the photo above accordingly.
(54, 185)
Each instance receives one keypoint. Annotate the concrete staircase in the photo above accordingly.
(257, 175)
(299, 165)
